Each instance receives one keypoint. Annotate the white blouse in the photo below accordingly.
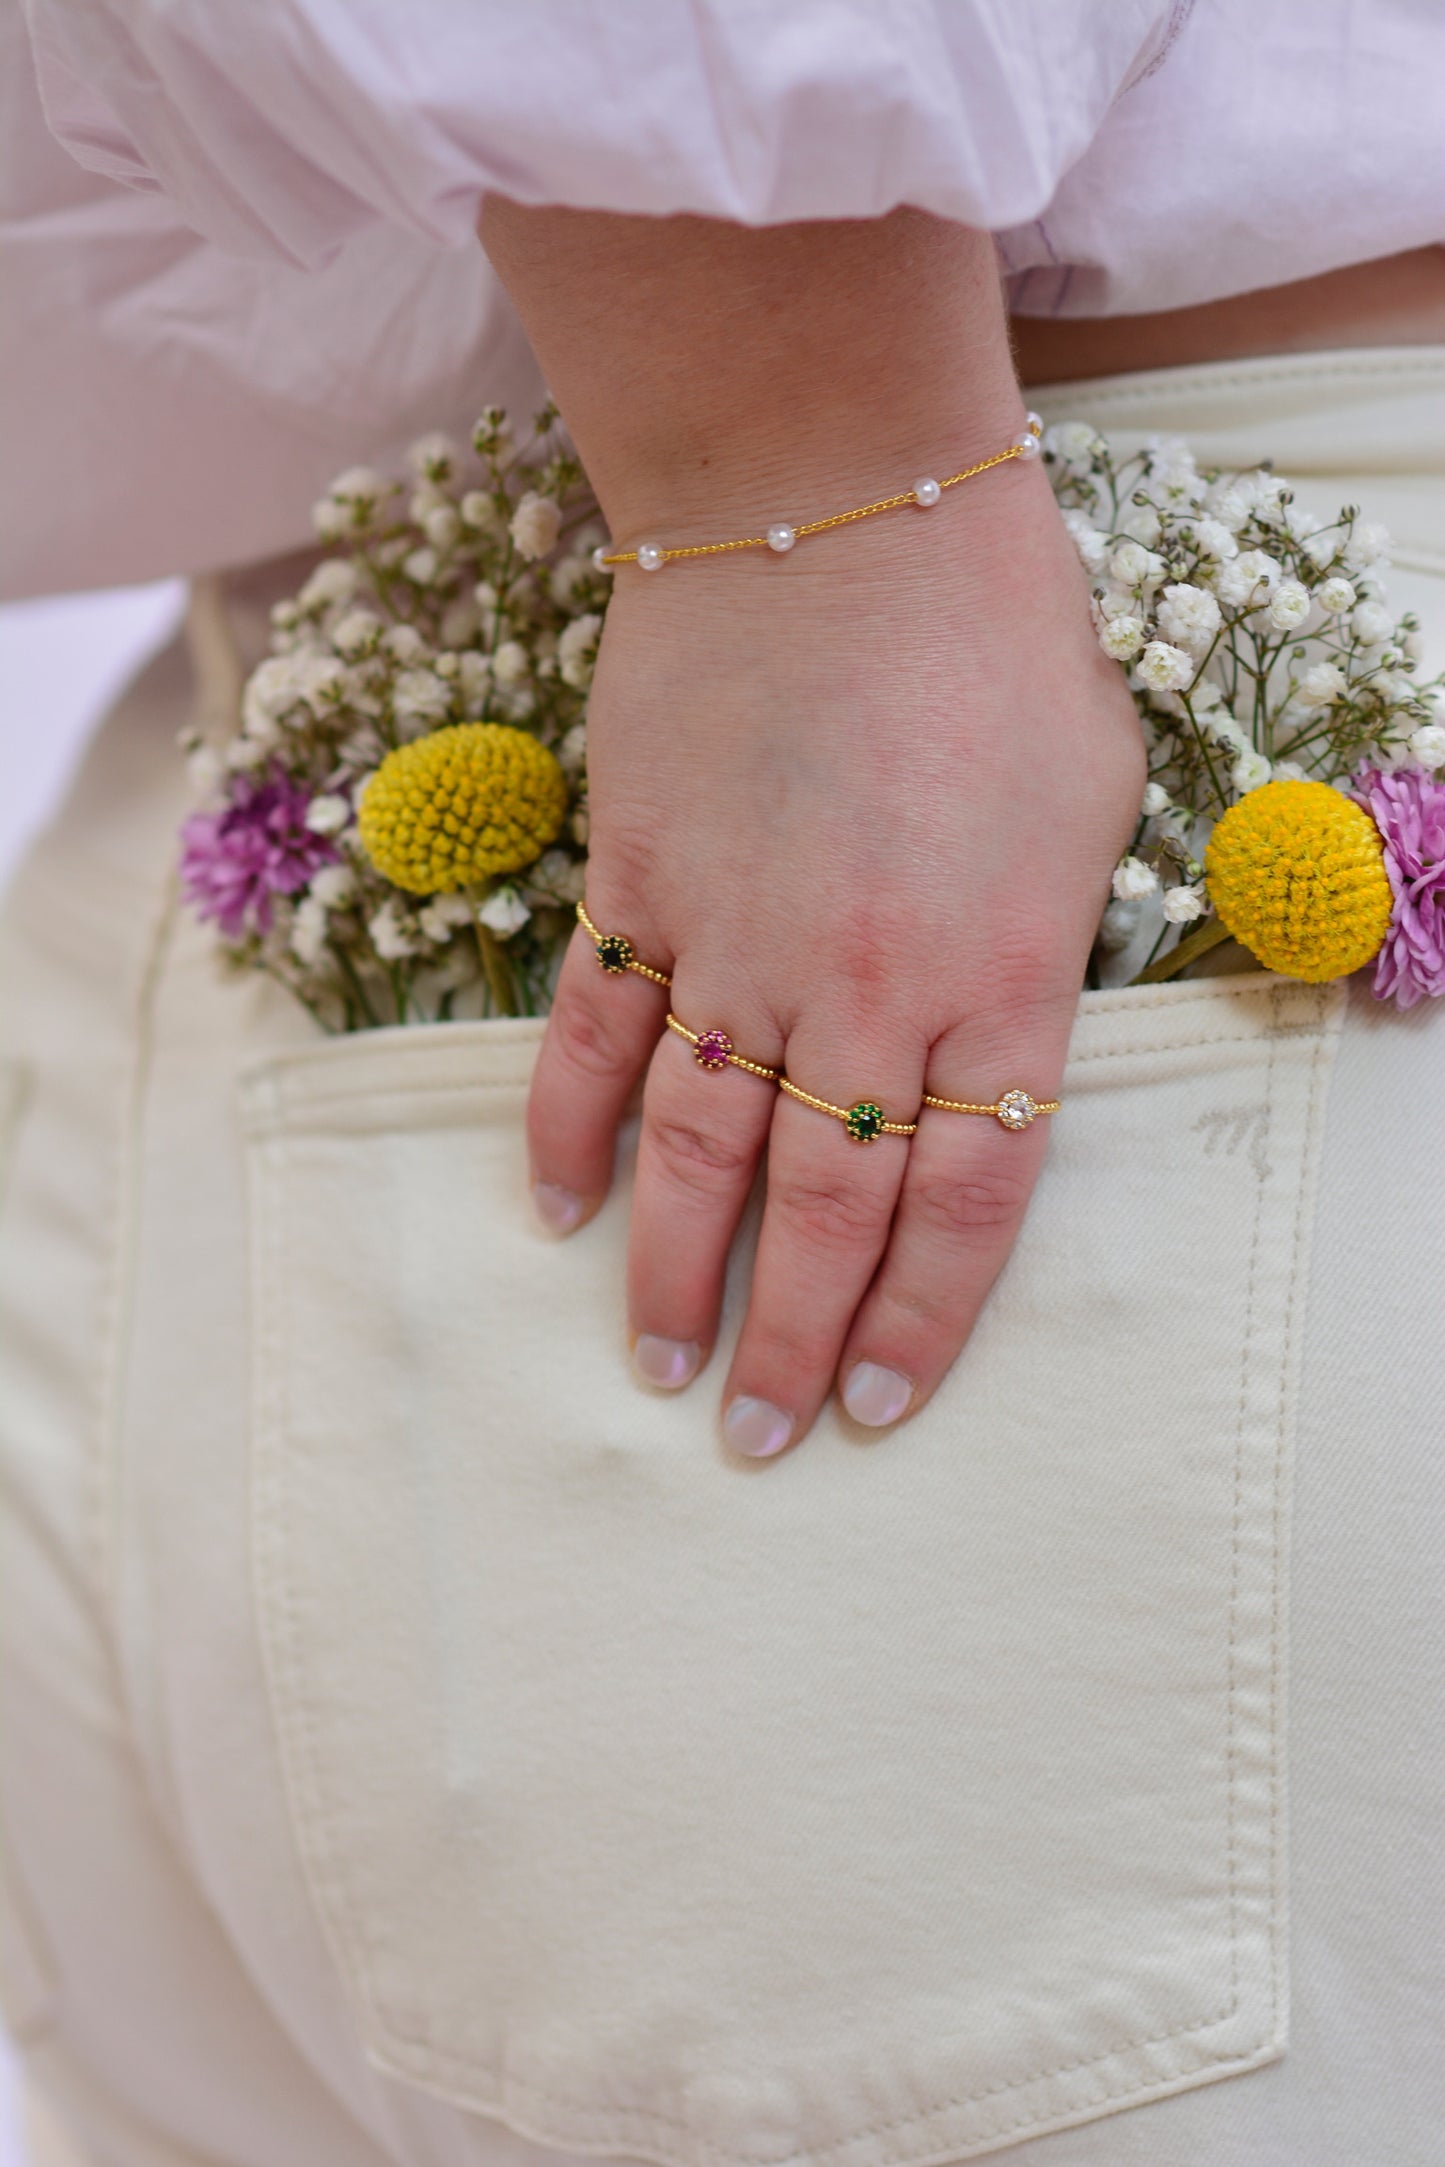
(254, 260)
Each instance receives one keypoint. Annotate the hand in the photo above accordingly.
(862, 800)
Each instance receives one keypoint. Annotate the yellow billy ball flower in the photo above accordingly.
(461, 805)
(1296, 872)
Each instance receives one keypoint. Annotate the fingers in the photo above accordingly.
(829, 1205)
(703, 1133)
(598, 1040)
(964, 1195)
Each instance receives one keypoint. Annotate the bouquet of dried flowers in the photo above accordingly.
(397, 828)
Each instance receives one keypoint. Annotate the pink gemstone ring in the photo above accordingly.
(713, 1050)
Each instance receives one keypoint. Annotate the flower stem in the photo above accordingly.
(1181, 956)
(499, 971)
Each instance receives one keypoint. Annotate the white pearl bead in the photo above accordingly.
(599, 558)
(1034, 423)
(650, 556)
(1027, 443)
(927, 491)
(781, 536)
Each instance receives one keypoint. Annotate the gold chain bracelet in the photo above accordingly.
(781, 535)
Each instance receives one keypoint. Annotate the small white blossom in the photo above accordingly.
(327, 815)
(1122, 637)
(474, 673)
(1090, 541)
(1141, 524)
(1335, 596)
(1182, 905)
(392, 936)
(357, 633)
(476, 508)
(1368, 544)
(1322, 548)
(442, 527)
(1225, 729)
(1238, 583)
(572, 752)
(433, 456)
(1156, 800)
(577, 651)
(1164, 668)
(1118, 926)
(404, 643)
(559, 875)
(333, 886)
(321, 681)
(1427, 745)
(1212, 538)
(1322, 684)
(272, 690)
(330, 519)
(536, 523)
(1250, 770)
(1132, 565)
(1189, 616)
(581, 826)
(443, 916)
(1372, 624)
(308, 931)
(420, 565)
(1072, 443)
(334, 580)
(504, 913)
(509, 663)
(1287, 771)
(1289, 606)
(420, 695)
(360, 486)
(1205, 696)
(205, 770)
(1133, 879)
(566, 577)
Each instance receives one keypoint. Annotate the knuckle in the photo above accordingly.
(828, 1214)
(588, 1039)
(982, 1201)
(696, 1158)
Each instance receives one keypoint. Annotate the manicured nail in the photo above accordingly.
(558, 1209)
(667, 1363)
(756, 1427)
(875, 1395)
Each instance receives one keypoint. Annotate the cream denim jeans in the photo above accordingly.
(422, 1745)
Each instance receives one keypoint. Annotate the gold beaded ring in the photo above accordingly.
(615, 952)
(1011, 1110)
(713, 1050)
(863, 1119)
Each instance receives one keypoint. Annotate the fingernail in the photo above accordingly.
(756, 1427)
(668, 1363)
(875, 1395)
(558, 1209)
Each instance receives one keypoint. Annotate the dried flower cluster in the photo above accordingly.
(470, 598)
(1259, 645)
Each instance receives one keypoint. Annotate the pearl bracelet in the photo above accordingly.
(925, 493)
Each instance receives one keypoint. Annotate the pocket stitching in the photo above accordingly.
(619, 2124)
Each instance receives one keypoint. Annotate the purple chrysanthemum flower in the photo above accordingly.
(234, 861)
(1408, 808)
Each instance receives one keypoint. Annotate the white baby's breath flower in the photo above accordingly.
(1289, 606)
(1368, 544)
(559, 875)
(1205, 696)
(205, 770)
(1225, 729)
(393, 933)
(404, 643)
(273, 689)
(1189, 616)
(360, 486)
(1322, 684)
(1133, 879)
(484, 594)
(1164, 668)
(577, 651)
(509, 663)
(1335, 596)
(308, 931)
(420, 695)
(474, 675)
(1322, 548)
(321, 680)
(1132, 565)
(1072, 443)
(1372, 624)
(330, 519)
(1250, 770)
(1122, 637)
(334, 580)
(1183, 904)
(444, 915)
(476, 508)
(1118, 925)
(1090, 541)
(1247, 579)
(536, 523)
(357, 633)
(328, 814)
(572, 752)
(1212, 538)
(1156, 800)
(333, 886)
(1427, 745)
(442, 527)
(566, 577)
(433, 456)
(420, 565)
(581, 826)
(1287, 771)
(504, 913)
(1141, 524)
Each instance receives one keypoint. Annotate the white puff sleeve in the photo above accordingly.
(286, 127)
